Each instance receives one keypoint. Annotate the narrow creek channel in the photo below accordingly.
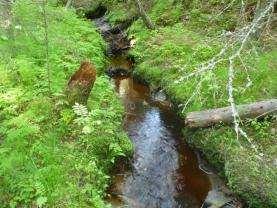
(164, 172)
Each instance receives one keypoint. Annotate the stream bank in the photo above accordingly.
(164, 171)
(50, 155)
(169, 53)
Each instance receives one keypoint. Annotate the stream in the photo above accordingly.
(164, 172)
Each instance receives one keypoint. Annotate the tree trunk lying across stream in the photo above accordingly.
(224, 115)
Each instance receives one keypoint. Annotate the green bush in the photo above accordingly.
(49, 155)
(170, 52)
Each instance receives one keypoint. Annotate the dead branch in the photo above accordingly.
(225, 115)
(144, 16)
(235, 46)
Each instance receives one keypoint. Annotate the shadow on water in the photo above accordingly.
(164, 171)
(97, 13)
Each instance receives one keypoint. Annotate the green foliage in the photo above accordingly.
(71, 41)
(175, 49)
(250, 175)
(167, 54)
(207, 17)
(54, 156)
(166, 12)
(48, 158)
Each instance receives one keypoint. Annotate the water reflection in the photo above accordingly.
(164, 170)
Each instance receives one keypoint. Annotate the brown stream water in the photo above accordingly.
(164, 171)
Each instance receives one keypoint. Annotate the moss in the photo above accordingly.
(174, 49)
(50, 155)
(250, 175)
(165, 55)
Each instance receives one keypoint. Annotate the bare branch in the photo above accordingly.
(68, 4)
(232, 51)
(144, 16)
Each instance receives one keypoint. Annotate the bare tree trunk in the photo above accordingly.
(260, 6)
(46, 42)
(68, 4)
(147, 21)
(6, 22)
(224, 115)
(5, 10)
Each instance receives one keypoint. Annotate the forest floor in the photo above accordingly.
(186, 37)
(53, 155)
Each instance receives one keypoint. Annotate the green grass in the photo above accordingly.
(165, 55)
(250, 175)
(168, 53)
(50, 156)
(176, 48)
(186, 36)
(54, 156)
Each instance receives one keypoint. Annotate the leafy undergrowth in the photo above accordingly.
(207, 17)
(173, 50)
(166, 55)
(52, 155)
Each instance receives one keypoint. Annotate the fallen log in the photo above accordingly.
(224, 115)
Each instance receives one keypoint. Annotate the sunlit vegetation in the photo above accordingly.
(186, 36)
(50, 154)
(56, 155)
